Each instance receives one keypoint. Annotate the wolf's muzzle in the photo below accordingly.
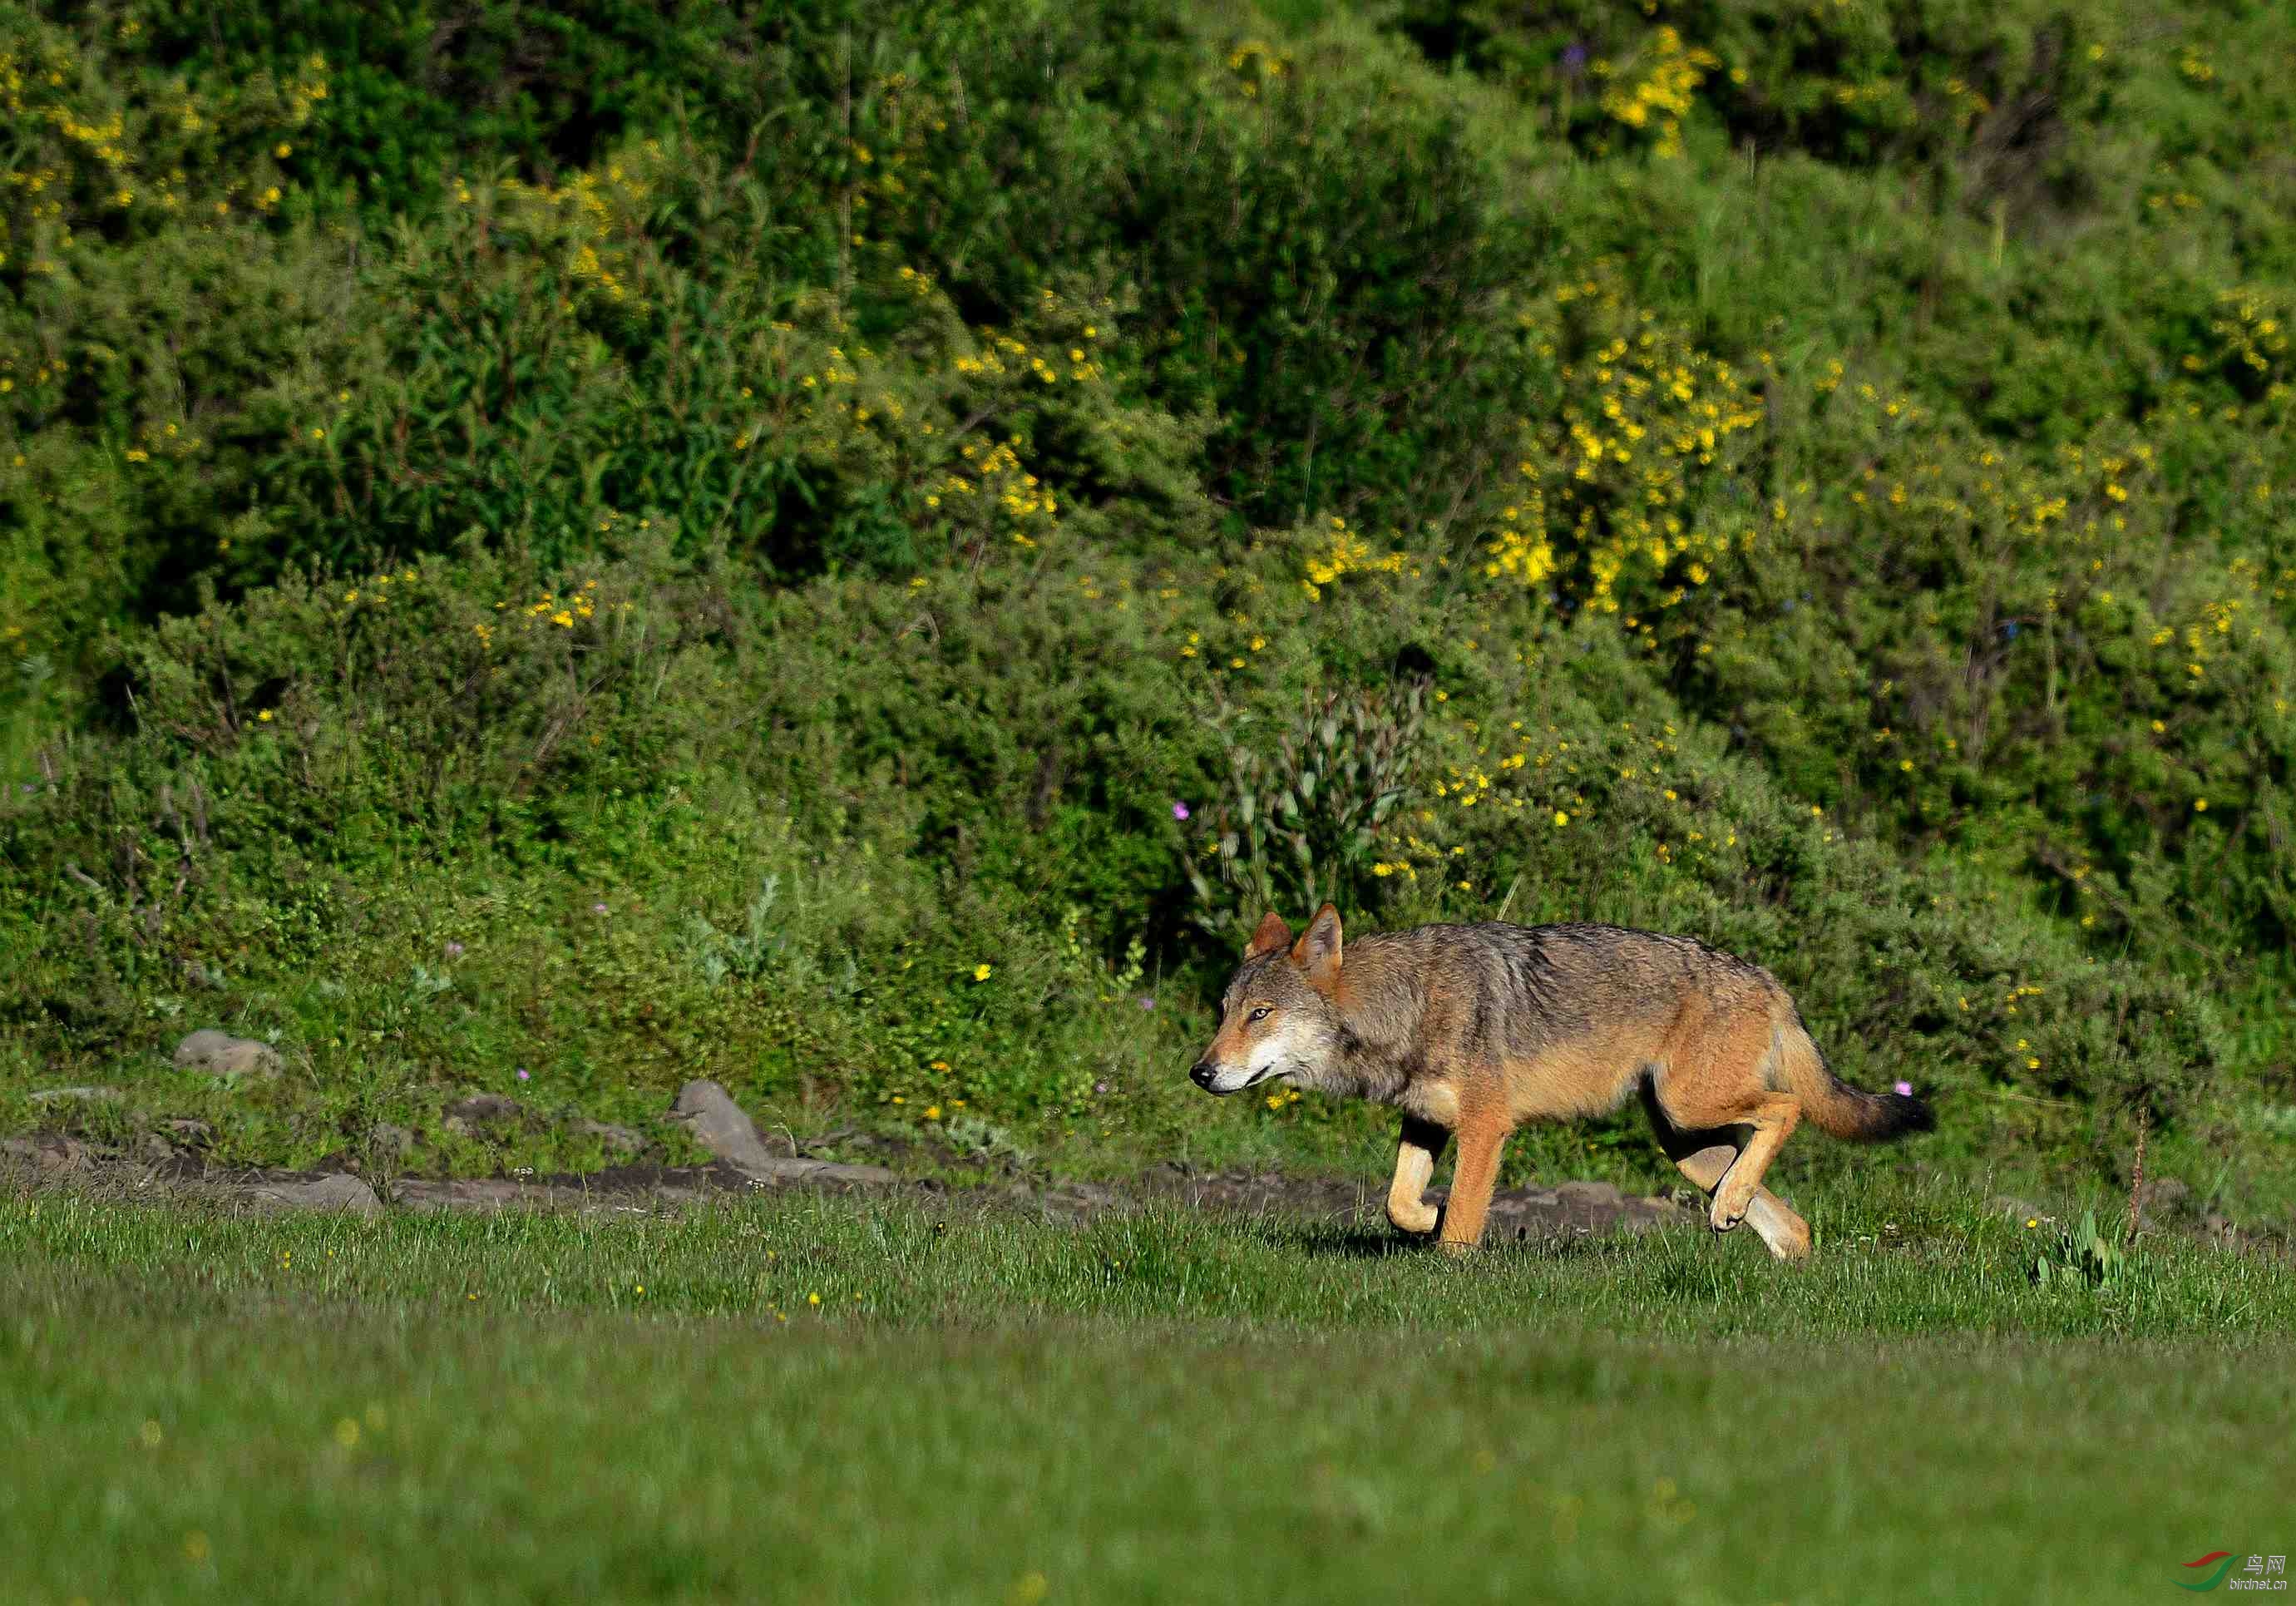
(1201, 1073)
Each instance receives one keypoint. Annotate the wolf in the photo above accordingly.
(1474, 1029)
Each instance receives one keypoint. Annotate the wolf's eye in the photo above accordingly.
(1261, 1013)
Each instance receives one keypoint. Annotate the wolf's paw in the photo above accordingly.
(1419, 1220)
(1725, 1218)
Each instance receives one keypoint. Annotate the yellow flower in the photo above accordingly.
(2200, 803)
(265, 717)
(980, 971)
(932, 1112)
(1561, 818)
(813, 1299)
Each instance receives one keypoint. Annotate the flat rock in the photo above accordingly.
(725, 1128)
(221, 1055)
(49, 1151)
(335, 1193)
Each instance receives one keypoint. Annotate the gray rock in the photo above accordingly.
(335, 1193)
(79, 1095)
(221, 1055)
(51, 1151)
(480, 1113)
(391, 1140)
(723, 1127)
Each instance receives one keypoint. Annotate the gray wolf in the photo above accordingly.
(1472, 1030)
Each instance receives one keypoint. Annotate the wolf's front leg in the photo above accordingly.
(1414, 1164)
(1472, 1180)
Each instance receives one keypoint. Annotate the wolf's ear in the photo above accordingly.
(1317, 951)
(1273, 934)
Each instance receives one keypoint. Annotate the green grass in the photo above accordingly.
(1166, 1407)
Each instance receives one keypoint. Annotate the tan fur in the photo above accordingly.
(1473, 1030)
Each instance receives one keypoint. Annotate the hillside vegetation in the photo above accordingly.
(853, 550)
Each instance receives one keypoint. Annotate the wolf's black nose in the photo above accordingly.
(1201, 1073)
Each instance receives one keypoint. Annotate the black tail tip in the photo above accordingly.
(1903, 1114)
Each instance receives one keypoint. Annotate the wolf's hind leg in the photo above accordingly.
(1414, 1164)
(1772, 1120)
(1785, 1233)
(1706, 1158)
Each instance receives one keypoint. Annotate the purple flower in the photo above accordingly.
(1905, 1090)
(454, 950)
(1147, 1002)
(597, 908)
(521, 1073)
(1179, 811)
(1574, 58)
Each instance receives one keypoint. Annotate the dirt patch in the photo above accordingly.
(1574, 1210)
(746, 1160)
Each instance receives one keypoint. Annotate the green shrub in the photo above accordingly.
(862, 472)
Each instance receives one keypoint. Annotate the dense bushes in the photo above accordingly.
(771, 518)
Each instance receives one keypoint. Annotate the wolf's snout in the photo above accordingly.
(1201, 1073)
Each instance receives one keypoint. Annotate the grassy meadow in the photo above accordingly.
(815, 1400)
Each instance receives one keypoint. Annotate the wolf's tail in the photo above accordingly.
(1830, 1103)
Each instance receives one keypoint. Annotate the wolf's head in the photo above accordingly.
(1277, 1018)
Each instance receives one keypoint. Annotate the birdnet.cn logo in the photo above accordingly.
(2221, 1569)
